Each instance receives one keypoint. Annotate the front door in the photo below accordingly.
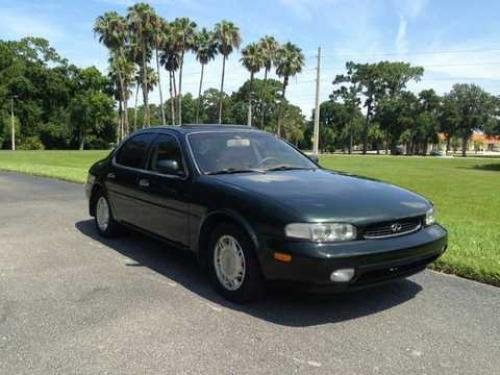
(122, 181)
(165, 186)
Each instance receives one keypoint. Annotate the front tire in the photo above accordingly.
(233, 265)
(104, 221)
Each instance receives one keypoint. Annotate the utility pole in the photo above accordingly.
(12, 125)
(316, 111)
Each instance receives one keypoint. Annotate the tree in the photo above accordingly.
(289, 62)
(205, 47)
(183, 31)
(269, 47)
(228, 37)
(349, 96)
(121, 73)
(113, 33)
(475, 108)
(91, 108)
(266, 92)
(170, 59)
(252, 59)
(140, 17)
(160, 29)
(375, 82)
(448, 118)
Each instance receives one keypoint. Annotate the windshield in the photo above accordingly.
(244, 151)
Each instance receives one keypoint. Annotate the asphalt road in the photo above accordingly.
(71, 302)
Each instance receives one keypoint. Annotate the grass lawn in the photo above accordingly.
(65, 165)
(465, 191)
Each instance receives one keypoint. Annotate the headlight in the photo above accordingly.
(322, 232)
(430, 216)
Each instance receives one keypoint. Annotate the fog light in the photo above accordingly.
(342, 275)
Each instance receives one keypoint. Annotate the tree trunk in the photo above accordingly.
(263, 107)
(365, 131)
(123, 100)
(199, 94)
(280, 104)
(249, 115)
(222, 88)
(172, 98)
(119, 128)
(448, 144)
(464, 145)
(135, 106)
(82, 140)
(179, 109)
(145, 85)
(175, 95)
(162, 106)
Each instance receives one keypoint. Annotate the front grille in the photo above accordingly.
(392, 228)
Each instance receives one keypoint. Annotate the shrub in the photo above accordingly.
(31, 143)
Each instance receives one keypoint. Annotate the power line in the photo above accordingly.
(395, 53)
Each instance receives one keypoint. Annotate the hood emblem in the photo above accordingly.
(396, 227)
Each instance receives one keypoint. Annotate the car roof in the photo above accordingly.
(194, 128)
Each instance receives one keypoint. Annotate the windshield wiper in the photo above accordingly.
(235, 170)
(286, 168)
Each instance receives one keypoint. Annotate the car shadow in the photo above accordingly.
(280, 306)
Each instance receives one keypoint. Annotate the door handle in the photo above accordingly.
(143, 182)
(111, 175)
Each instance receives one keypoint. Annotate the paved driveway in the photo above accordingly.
(73, 303)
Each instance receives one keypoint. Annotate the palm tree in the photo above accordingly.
(113, 33)
(205, 47)
(253, 60)
(269, 47)
(151, 82)
(170, 59)
(140, 18)
(289, 62)
(160, 30)
(228, 37)
(183, 31)
(121, 73)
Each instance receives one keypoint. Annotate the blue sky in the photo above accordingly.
(455, 41)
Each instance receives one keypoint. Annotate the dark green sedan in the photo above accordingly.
(255, 210)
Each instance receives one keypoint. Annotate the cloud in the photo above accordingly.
(401, 42)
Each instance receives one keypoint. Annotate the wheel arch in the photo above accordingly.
(208, 224)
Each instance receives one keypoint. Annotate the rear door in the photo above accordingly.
(167, 189)
(122, 181)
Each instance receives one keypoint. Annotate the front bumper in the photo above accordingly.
(374, 261)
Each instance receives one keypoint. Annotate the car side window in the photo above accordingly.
(133, 153)
(166, 156)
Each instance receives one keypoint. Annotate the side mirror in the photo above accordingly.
(314, 158)
(168, 166)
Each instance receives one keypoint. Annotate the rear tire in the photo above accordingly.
(104, 221)
(233, 265)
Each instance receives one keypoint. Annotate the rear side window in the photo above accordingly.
(166, 156)
(134, 152)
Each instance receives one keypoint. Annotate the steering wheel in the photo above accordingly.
(266, 159)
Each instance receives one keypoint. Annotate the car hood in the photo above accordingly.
(322, 195)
